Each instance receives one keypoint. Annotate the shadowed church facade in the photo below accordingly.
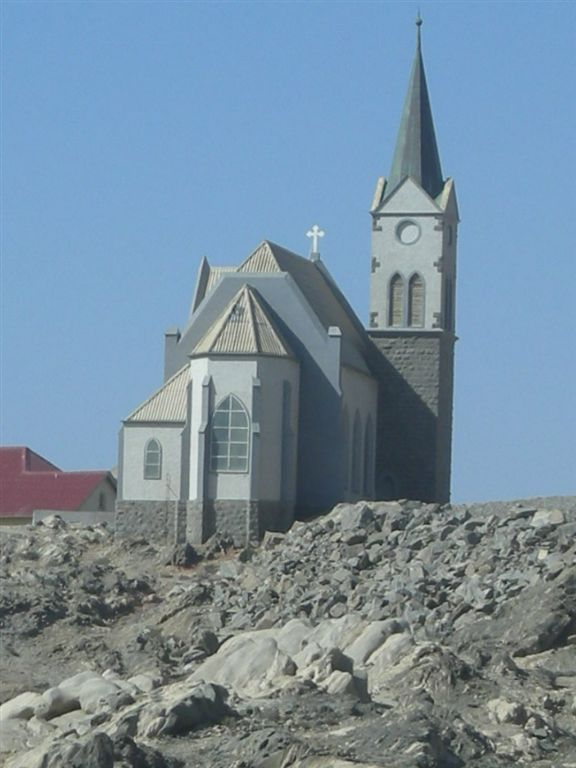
(277, 401)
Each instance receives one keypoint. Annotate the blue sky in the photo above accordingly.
(139, 136)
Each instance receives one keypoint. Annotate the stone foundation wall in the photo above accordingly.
(155, 520)
(414, 436)
(196, 521)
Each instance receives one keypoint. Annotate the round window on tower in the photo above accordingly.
(408, 232)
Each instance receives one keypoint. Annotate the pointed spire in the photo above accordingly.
(416, 152)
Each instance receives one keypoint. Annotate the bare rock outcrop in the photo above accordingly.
(393, 634)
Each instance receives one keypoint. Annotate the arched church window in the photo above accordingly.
(153, 460)
(229, 437)
(356, 453)
(369, 458)
(345, 448)
(396, 305)
(416, 302)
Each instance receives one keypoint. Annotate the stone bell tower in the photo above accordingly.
(412, 303)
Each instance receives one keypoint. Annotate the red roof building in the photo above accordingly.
(29, 482)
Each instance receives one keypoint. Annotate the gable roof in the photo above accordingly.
(29, 482)
(166, 404)
(243, 328)
(314, 283)
(263, 259)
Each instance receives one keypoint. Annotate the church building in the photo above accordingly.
(277, 402)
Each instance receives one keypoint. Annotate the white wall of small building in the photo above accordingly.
(101, 499)
(135, 438)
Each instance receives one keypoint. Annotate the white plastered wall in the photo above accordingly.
(231, 377)
(273, 373)
(134, 486)
(409, 203)
(238, 377)
(92, 502)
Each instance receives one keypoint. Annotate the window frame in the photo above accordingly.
(233, 435)
(397, 301)
(416, 279)
(152, 470)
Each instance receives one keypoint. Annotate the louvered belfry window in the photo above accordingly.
(416, 302)
(396, 315)
(229, 437)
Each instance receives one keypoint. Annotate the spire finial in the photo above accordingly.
(419, 25)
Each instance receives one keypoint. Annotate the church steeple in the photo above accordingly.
(416, 152)
(412, 306)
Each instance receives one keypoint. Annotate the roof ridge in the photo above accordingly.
(262, 253)
(254, 330)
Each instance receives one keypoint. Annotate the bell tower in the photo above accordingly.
(412, 303)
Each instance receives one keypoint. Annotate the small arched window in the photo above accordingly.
(396, 301)
(369, 458)
(416, 302)
(356, 453)
(229, 437)
(101, 501)
(153, 460)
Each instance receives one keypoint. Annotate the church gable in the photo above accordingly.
(243, 328)
(408, 197)
(206, 281)
(262, 259)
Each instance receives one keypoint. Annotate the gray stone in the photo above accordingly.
(202, 704)
(98, 752)
(356, 516)
(372, 638)
(548, 517)
(22, 707)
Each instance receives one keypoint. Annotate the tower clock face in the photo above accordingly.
(408, 232)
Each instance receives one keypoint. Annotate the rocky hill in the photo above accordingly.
(392, 634)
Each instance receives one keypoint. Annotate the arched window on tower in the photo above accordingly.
(416, 302)
(356, 454)
(229, 437)
(396, 301)
(153, 460)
